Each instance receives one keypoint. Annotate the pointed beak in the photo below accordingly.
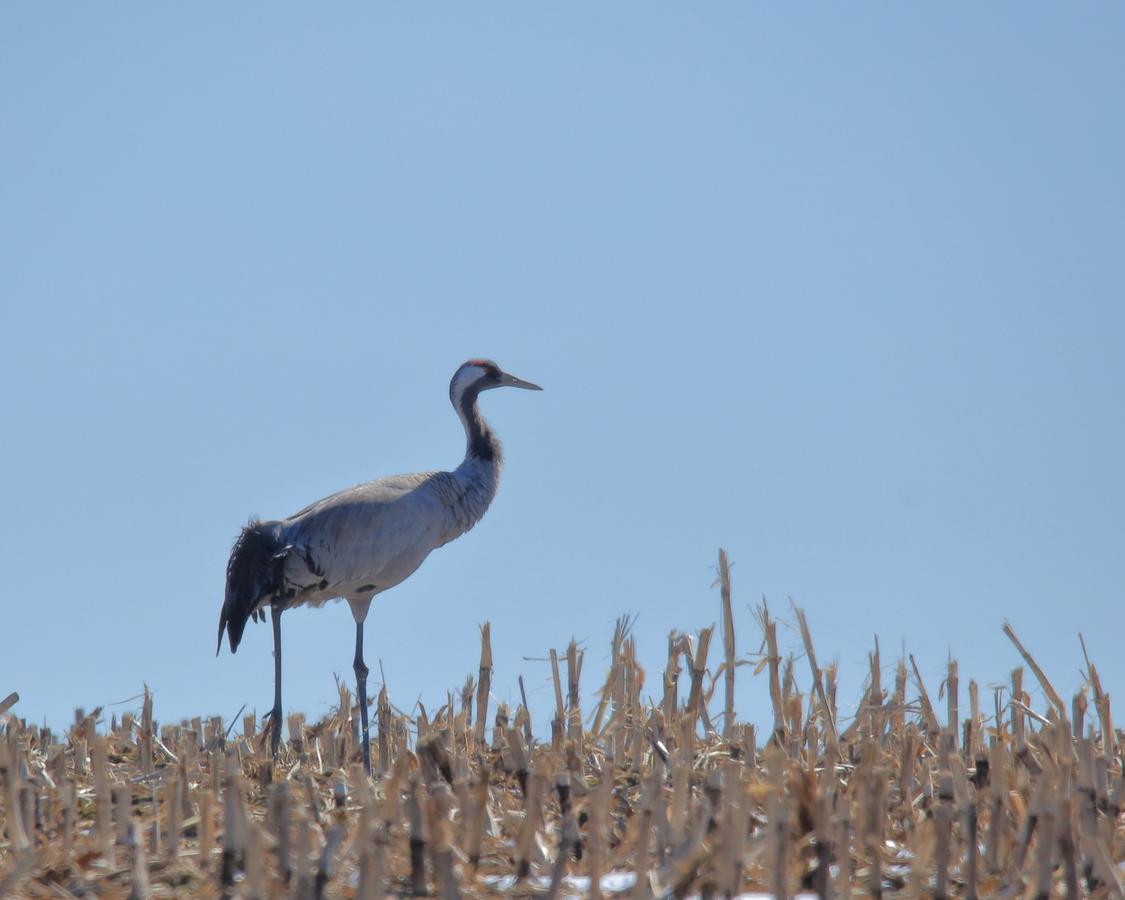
(507, 380)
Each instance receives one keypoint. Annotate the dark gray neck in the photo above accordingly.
(481, 443)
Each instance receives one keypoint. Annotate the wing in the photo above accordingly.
(365, 539)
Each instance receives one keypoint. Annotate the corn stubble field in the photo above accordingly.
(656, 792)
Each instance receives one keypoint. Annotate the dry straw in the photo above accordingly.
(646, 796)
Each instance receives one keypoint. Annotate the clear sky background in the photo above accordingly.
(838, 287)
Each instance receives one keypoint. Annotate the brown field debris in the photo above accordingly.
(680, 798)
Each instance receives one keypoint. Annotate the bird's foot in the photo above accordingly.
(271, 725)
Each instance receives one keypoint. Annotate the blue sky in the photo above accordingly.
(839, 288)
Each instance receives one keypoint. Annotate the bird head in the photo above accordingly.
(478, 375)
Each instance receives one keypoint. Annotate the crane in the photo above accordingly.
(364, 540)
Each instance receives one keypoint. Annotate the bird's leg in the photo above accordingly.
(275, 713)
(361, 694)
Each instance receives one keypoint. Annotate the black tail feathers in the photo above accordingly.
(254, 575)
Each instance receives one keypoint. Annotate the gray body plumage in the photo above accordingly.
(364, 540)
